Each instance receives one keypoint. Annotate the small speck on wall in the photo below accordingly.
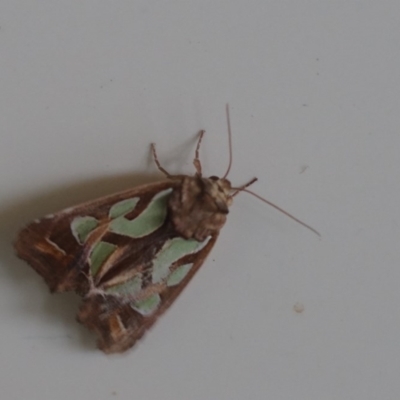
(298, 307)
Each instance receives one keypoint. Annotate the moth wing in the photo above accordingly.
(120, 319)
(55, 245)
(121, 254)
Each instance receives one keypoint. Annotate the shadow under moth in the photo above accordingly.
(130, 254)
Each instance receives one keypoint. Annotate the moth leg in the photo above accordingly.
(196, 161)
(163, 170)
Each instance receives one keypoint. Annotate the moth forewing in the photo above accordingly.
(129, 255)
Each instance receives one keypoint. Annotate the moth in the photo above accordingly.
(130, 254)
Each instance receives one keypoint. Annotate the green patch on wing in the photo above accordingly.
(123, 207)
(147, 306)
(129, 288)
(178, 275)
(172, 251)
(101, 251)
(147, 222)
(81, 227)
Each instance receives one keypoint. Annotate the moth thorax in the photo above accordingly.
(199, 206)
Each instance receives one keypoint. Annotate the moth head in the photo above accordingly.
(219, 190)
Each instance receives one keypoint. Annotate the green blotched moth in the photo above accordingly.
(130, 254)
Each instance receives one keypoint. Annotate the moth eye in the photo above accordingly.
(214, 178)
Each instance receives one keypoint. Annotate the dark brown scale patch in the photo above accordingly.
(147, 276)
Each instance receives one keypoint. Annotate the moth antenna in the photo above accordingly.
(240, 188)
(196, 161)
(163, 170)
(230, 141)
(277, 208)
